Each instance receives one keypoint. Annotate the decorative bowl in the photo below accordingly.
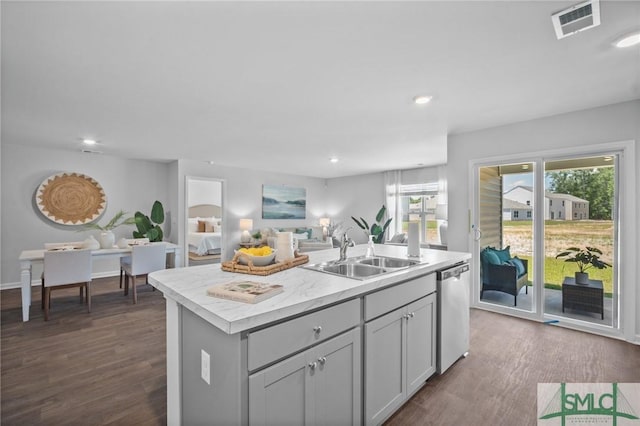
(256, 260)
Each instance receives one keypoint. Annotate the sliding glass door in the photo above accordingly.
(505, 235)
(539, 221)
(580, 208)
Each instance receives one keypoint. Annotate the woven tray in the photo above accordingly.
(234, 266)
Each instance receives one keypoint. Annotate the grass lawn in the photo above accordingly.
(559, 235)
(556, 270)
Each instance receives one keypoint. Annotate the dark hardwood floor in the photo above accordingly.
(108, 367)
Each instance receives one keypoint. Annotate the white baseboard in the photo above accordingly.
(17, 284)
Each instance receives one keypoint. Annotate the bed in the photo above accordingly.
(204, 235)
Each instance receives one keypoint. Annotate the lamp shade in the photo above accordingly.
(246, 224)
(324, 221)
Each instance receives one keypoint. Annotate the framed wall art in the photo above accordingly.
(283, 202)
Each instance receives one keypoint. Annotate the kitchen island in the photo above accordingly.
(298, 357)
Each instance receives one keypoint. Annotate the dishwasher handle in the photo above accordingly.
(453, 272)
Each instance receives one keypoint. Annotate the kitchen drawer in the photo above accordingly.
(272, 343)
(383, 301)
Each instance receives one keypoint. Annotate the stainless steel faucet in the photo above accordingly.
(345, 243)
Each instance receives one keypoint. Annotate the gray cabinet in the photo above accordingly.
(421, 342)
(400, 355)
(321, 385)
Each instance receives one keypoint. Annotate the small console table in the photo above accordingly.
(585, 297)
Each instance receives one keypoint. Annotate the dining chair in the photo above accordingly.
(144, 260)
(125, 260)
(66, 268)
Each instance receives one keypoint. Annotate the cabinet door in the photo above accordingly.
(337, 380)
(384, 366)
(282, 394)
(421, 347)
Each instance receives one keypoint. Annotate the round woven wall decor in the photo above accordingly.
(71, 198)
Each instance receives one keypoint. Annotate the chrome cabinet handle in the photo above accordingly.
(322, 360)
(317, 329)
(313, 365)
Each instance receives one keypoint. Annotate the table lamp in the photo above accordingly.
(245, 226)
(325, 222)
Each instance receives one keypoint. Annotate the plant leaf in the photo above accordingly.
(358, 222)
(157, 212)
(381, 213)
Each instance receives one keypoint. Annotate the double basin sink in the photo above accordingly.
(361, 268)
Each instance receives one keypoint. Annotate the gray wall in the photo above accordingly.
(359, 196)
(130, 185)
(134, 185)
(613, 123)
(242, 198)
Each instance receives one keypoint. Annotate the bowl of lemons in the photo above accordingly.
(259, 256)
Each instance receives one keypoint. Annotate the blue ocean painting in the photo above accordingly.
(283, 202)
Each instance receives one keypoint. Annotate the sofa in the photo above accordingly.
(305, 239)
(502, 272)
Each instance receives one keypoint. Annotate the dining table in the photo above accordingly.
(28, 258)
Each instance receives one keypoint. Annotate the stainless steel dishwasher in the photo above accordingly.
(453, 315)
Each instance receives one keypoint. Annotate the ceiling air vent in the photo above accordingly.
(579, 17)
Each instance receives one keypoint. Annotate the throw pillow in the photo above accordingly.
(518, 265)
(504, 255)
(492, 257)
(202, 226)
(304, 230)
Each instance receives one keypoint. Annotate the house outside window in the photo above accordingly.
(418, 203)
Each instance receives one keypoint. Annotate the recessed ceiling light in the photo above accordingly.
(89, 141)
(333, 160)
(211, 162)
(628, 40)
(422, 99)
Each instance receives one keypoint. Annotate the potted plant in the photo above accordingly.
(107, 238)
(149, 226)
(584, 258)
(377, 229)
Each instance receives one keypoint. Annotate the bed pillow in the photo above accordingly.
(209, 226)
(202, 226)
(301, 236)
(192, 225)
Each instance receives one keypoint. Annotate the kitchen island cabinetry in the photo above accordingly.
(400, 348)
(309, 355)
(319, 386)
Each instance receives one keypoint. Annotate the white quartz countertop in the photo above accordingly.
(304, 290)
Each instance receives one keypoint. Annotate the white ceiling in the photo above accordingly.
(283, 86)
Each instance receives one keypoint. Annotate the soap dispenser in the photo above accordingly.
(370, 247)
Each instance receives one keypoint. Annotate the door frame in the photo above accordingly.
(223, 203)
(625, 245)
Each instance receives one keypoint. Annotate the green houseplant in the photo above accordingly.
(107, 238)
(149, 226)
(377, 229)
(585, 258)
